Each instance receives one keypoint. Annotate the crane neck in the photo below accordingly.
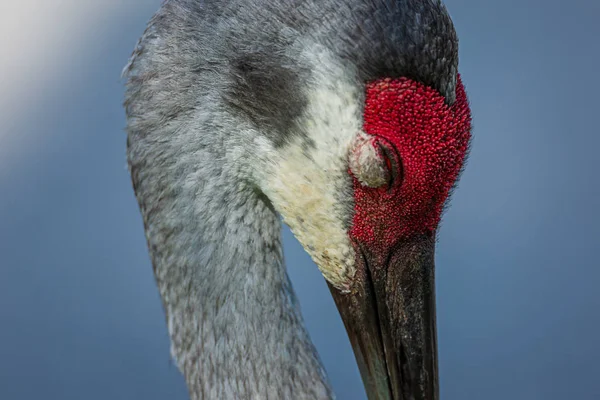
(233, 318)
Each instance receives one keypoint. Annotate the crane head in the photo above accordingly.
(357, 136)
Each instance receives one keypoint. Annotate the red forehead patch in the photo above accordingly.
(429, 141)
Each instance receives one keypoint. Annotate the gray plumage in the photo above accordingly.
(206, 81)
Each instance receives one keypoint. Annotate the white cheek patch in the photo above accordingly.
(311, 187)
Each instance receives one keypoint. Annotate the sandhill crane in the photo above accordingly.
(346, 117)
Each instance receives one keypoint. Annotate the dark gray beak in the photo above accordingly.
(390, 318)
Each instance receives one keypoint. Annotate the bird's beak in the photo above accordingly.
(390, 318)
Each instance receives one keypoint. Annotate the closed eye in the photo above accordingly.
(392, 162)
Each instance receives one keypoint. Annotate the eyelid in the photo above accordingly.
(389, 153)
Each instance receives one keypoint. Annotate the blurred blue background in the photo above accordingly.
(518, 272)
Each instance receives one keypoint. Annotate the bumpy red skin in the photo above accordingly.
(429, 140)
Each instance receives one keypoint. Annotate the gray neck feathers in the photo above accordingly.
(233, 319)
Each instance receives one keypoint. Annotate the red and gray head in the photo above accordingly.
(349, 118)
(378, 138)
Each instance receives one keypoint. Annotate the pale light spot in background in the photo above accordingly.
(39, 39)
